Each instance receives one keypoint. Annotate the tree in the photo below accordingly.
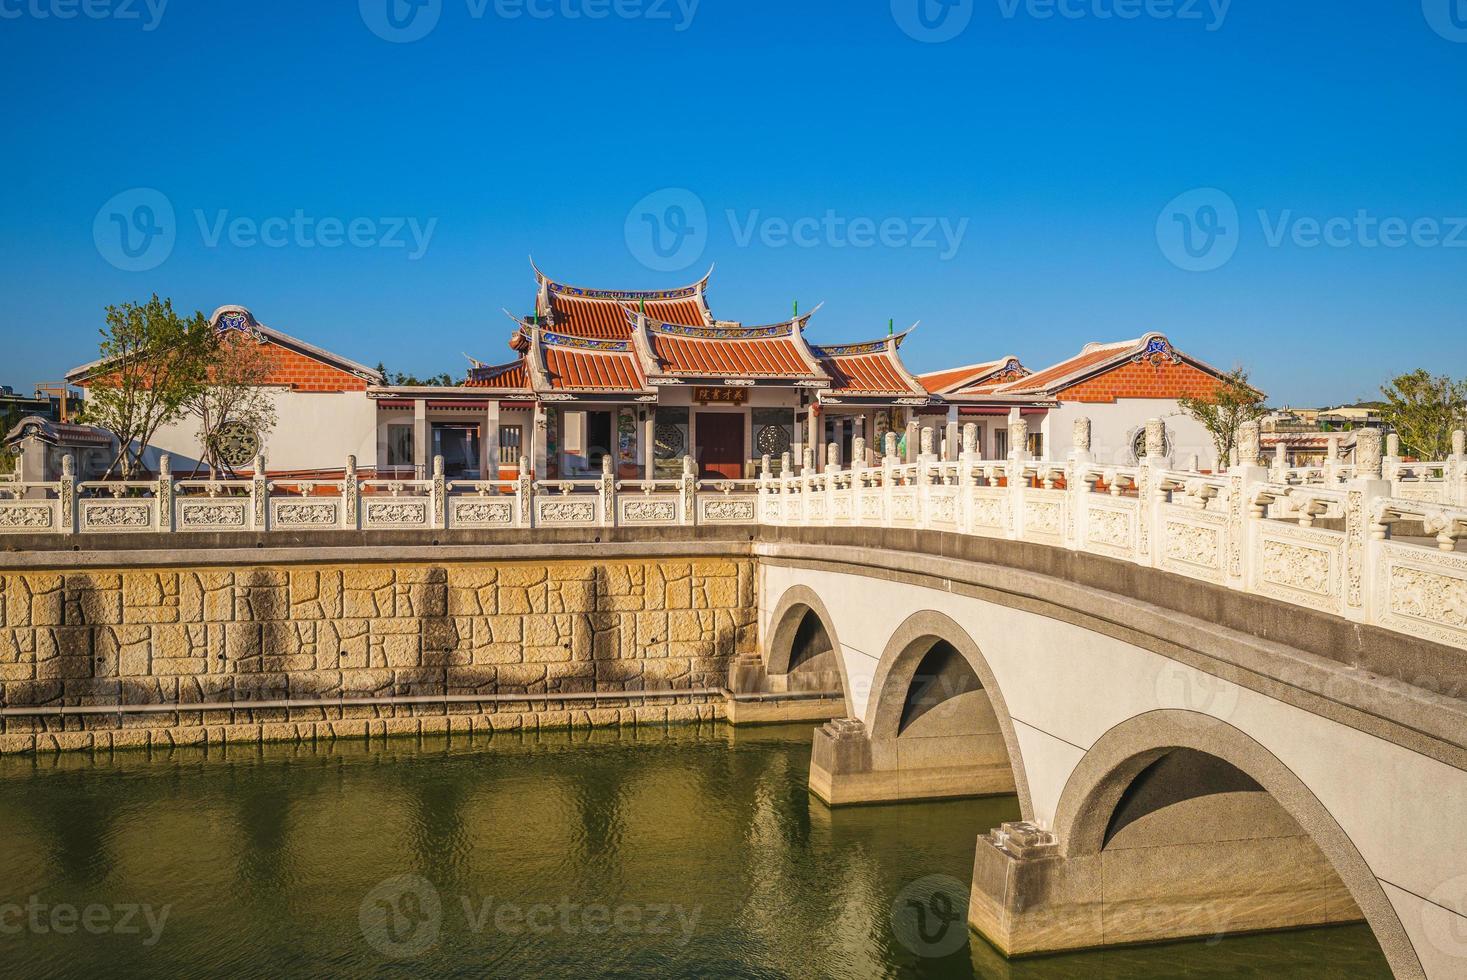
(1424, 410)
(1223, 412)
(444, 380)
(152, 362)
(231, 398)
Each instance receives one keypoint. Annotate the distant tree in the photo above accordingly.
(1423, 410)
(232, 395)
(1223, 412)
(444, 380)
(152, 362)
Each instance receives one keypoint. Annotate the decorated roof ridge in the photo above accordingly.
(488, 372)
(722, 331)
(621, 295)
(582, 365)
(1153, 347)
(595, 345)
(234, 317)
(864, 346)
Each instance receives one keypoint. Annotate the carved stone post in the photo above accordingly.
(1244, 472)
(858, 464)
(786, 468)
(1194, 463)
(524, 491)
(1014, 473)
(607, 491)
(807, 467)
(439, 491)
(165, 492)
(889, 445)
(1279, 471)
(764, 468)
(689, 491)
(832, 457)
(858, 453)
(1248, 443)
(260, 495)
(351, 494)
(970, 441)
(1362, 551)
(1018, 439)
(1081, 439)
(950, 442)
(1457, 469)
(1155, 439)
(66, 495)
(1332, 460)
(1391, 464)
(912, 437)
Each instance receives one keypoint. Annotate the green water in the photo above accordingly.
(690, 852)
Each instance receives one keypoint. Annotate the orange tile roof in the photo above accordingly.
(591, 365)
(939, 381)
(514, 375)
(867, 369)
(765, 352)
(1093, 356)
(607, 319)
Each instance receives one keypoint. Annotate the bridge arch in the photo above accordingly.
(1124, 783)
(802, 651)
(934, 695)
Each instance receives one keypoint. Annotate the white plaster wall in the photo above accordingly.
(1065, 686)
(313, 430)
(1113, 424)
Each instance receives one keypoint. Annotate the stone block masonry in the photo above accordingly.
(265, 653)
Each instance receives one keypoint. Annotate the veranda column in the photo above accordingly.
(649, 445)
(489, 452)
(420, 438)
(539, 440)
(812, 432)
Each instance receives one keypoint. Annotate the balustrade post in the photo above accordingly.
(910, 456)
(439, 492)
(1014, 473)
(165, 493)
(858, 466)
(970, 456)
(807, 463)
(1362, 548)
(351, 495)
(66, 495)
(1149, 493)
(1456, 472)
(888, 463)
(1076, 489)
(524, 492)
(260, 495)
(950, 442)
(607, 491)
(688, 491)
(1243, 525)
(1332, 460)
(832, 477)
(1279, 470)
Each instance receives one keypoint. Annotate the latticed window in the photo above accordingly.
(510, 441)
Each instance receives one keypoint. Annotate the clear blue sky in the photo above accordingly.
(1058, 140)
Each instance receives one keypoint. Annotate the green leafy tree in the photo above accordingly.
(1223, 411)
(232, 395)
(152, 362)
(444, 380)
(1423, 410)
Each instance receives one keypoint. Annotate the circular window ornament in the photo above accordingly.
(669, 441)
(237, 444)
(1138, 443)
(773, 440)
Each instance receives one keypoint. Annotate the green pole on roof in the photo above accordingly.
(797, 309)
(642, 305)
(891, 326)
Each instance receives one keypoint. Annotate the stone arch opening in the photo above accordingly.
(802, 653)
(1178, 825)
(936, 718)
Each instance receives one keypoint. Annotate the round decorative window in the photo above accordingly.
(773, 440)
(669, 442)
(1138, 443)
(237, 444)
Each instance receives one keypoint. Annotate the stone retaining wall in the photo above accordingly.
(263, 633)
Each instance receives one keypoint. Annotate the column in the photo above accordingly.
(536, 452)
(489, 445)
(649, 447)
(420, 438)
(812, 427)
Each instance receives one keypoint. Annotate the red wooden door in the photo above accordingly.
(720, 445)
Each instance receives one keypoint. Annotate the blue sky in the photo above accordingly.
(1028, 185)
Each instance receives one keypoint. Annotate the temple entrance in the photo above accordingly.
(458, 444)
(720, 445)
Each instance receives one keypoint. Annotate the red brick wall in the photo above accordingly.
(1131, 380)
(304, 373)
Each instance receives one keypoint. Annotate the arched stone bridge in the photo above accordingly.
(1189, 760)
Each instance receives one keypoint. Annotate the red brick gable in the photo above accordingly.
(1144, 380)
(301, 372)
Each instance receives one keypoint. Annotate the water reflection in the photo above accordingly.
(691, 851)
